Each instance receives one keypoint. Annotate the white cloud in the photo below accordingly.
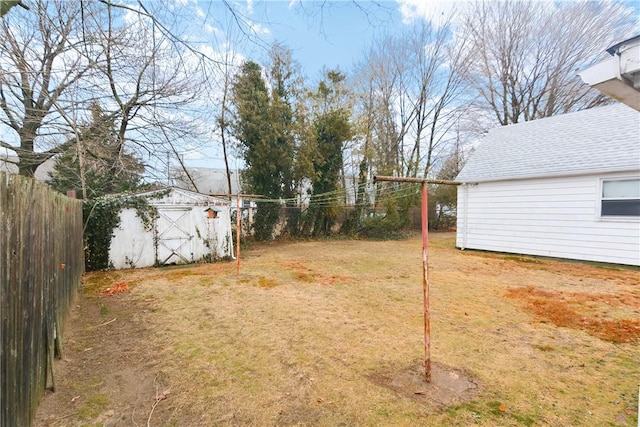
(249, 7)
(132, 16)
(436, 12)
(192, 152)
(259, 28)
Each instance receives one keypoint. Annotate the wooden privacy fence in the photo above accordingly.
(41, 264)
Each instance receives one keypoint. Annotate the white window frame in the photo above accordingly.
(600, 199)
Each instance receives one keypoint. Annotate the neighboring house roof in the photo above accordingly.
(174, 195)
(43, 172)
(619, 75)
(208, 180)
(597, 140)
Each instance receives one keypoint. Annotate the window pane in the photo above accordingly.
(621, 207)
(623, 189)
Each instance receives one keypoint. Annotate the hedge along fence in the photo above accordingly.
(41, 264)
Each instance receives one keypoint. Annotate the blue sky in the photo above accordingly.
(333, 34)
(319, 33)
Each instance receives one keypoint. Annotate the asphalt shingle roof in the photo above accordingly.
(602, 139)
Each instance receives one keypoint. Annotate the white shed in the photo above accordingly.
(566, 186)
(189, 227)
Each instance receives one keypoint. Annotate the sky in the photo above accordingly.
(320, 34)
(327, 33)
(333, 34)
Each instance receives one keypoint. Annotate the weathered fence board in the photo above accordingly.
(41, 264)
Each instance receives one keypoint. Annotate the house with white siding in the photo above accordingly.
(565, 186)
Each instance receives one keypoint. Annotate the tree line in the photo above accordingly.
(111, 91)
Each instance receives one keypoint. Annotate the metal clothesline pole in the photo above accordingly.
(425, 257)
(238, 221)
(238, 231)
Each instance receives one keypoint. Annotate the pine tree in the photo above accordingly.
(331, 128)
(97, 165)
(252, 130)
(265, 129)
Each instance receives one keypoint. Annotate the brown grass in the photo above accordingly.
(324, 333)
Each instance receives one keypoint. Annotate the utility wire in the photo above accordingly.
(338, 197)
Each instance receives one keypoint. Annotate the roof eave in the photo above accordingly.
(631, 170)
(618, 76)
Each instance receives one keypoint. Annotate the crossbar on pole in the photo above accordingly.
(415, 180)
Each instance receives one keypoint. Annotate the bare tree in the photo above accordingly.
(227, 70)
(436, 91)
(410, 88)
(63, 56)
(39, 63)
(379, 88)
(524, 55)
(151, 82)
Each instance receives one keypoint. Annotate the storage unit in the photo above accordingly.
(189, 227)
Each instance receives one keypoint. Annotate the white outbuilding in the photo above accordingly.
(186, 227)
(566, 186)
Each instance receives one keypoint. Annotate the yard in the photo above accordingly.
(330, 333)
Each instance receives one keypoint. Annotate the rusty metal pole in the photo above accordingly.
(425, 282)
(425, 257)
(238, 231)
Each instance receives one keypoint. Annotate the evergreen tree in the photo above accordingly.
(265, 128)
(253, 130)
(97, 165)
(332, 128)
(284, 90)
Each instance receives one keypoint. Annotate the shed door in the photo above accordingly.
(174, 236)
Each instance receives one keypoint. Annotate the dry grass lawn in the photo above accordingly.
(330, 333)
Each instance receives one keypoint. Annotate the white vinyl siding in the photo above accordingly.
(555, 217)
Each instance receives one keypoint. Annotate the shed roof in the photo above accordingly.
(208, 180)
(43, 172)
(597, 140)
(173, 195)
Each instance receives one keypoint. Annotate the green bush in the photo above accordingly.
(102, 215)
(387, 226)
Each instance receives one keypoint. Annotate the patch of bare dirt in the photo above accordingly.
(108, 374)
(447, 387)
(623, 275)
(563, 309)
(303, 273)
